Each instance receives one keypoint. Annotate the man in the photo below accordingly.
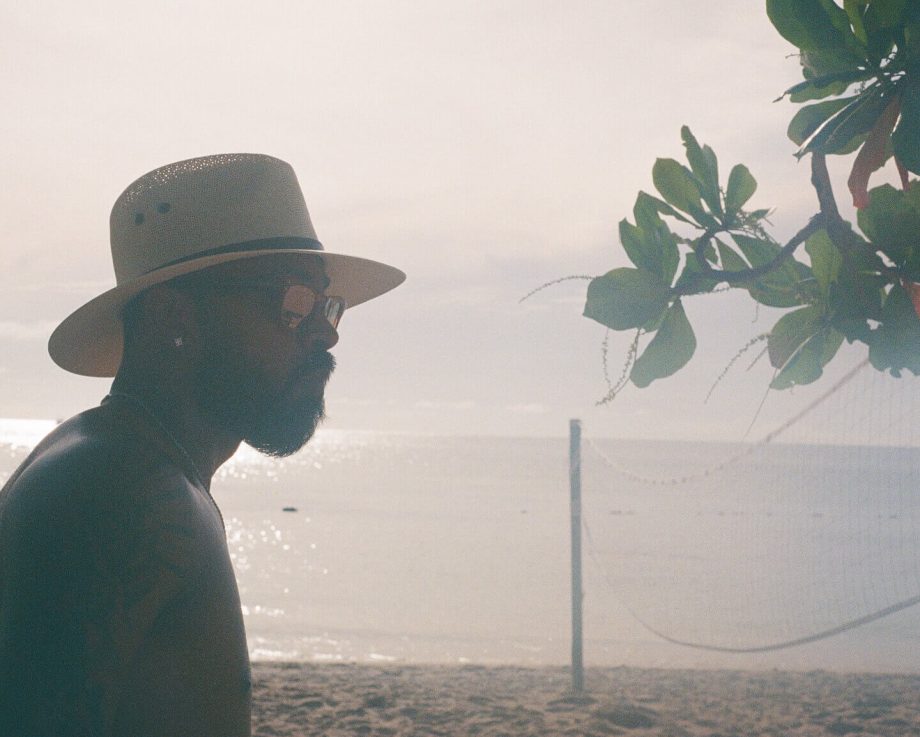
(119, 611)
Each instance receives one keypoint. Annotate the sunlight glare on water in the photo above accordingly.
(377, 547)
(24, 433)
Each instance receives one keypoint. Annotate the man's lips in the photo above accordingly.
(317, 369)
(322, 362)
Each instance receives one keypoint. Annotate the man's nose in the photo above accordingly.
(318, 331)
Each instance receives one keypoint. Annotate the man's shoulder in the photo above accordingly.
(94, 497)
(93, 460)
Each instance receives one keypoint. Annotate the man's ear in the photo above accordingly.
(171, 318)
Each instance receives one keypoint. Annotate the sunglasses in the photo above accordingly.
(296, 302)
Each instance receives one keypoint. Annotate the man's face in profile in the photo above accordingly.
(258, 378)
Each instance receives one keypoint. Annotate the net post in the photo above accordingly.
(578, 672)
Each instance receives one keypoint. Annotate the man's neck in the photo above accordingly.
(207, 446)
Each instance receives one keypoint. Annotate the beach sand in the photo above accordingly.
(358, 699)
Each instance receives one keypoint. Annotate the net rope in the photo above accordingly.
(747, 451)
(806, 533)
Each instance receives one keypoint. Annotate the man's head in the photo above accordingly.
(192, 216)
(249, 340)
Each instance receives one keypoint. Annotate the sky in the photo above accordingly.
(485, 148)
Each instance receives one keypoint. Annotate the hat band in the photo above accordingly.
(262, 244)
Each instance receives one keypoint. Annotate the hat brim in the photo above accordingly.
(89, 342)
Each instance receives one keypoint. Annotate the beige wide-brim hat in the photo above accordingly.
(194, 214)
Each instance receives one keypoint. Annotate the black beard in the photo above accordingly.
(284, 430)
(273, 425)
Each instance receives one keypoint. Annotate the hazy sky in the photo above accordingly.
(483, 147)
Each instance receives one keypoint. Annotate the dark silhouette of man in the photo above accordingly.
(119, 610)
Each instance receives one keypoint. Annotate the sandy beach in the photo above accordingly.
(387, 700)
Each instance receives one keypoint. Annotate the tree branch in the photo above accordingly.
(838, 229)
(828, 218)
(746, 275)
(821, 181)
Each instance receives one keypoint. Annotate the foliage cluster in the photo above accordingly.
(860, 96)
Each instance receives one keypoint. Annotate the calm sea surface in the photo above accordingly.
(424, 549)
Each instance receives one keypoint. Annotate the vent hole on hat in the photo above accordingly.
(166, 175)
(163, 208)
(138, 218)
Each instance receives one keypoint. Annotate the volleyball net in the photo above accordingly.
(806, 532)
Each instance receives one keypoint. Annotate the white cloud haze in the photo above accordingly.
(484, 147)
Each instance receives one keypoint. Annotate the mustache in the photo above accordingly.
(320, 361)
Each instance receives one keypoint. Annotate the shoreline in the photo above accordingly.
(386, 700)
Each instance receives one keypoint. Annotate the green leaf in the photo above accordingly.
(832, 342)
(678, 187)
(663, 207)
(824, 86)
(692, 279)
(633, 241)
(669, 351)
(853, 145)
(841, 21)
(804, 23)
(710, 157)
(912, 36)
(881, 20)
(892, 223)
(705, 167)
(741, 187)
(896, 343)
(825, 260)
(777, 291)
(811, 117)
(855, 119)
(819, 63)
(856, 297)
(650, 244)
(885, 13)
(646, 212)
(791, 331)
(781, 287)
(808, 363)
(854, 11)
(663, 241)
(756, 250)
(906, 137)
(626, 298)
(709, 252)
(806, 91)
(731, 261)
(670, 254)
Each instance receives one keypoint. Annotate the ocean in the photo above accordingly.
(386, 548)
